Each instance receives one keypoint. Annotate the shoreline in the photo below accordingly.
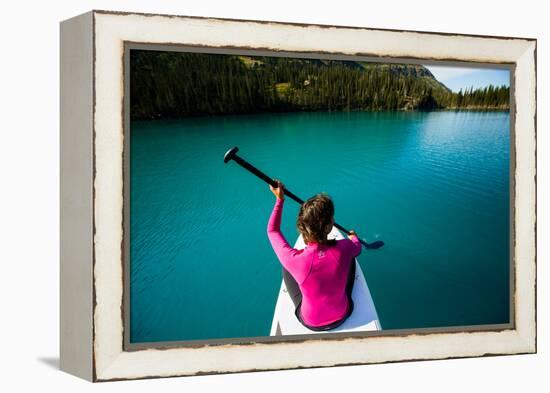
(450, 109)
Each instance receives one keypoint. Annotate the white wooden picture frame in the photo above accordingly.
(92, 194)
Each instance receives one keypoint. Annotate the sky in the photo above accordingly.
(456, 78)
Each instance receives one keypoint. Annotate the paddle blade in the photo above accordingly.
(374, 245)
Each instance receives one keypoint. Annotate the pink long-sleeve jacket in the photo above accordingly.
(321, 271)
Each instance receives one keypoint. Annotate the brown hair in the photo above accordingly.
(316, 218)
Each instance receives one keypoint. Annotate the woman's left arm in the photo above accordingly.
(274, 233)
(357, 247)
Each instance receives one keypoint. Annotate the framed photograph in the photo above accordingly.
(241, 195)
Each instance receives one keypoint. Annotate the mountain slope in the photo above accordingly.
(172, 84)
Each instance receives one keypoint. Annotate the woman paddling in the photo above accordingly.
(319, 278)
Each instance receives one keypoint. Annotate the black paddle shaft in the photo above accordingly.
(232, 155)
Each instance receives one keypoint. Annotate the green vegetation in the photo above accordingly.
(176, 84)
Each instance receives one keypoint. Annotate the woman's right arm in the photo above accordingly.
(357, 247)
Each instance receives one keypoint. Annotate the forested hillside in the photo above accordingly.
(179, 84)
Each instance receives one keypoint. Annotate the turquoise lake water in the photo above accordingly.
(433, 186)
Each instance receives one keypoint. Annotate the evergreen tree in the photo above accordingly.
(172, 84)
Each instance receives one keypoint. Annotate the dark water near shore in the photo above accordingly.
(434, 186)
